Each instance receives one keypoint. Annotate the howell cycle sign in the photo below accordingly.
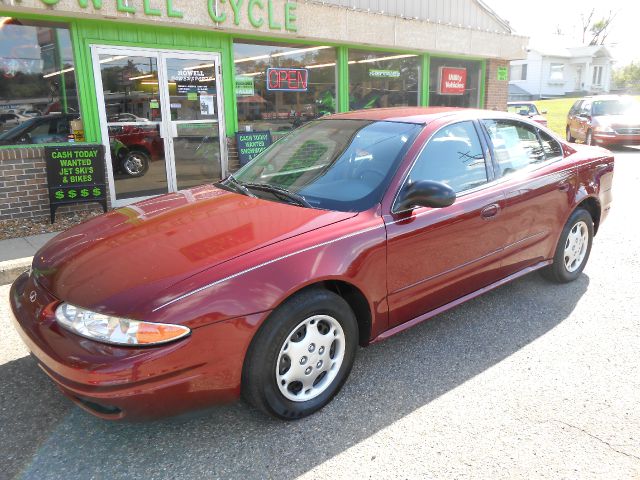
(274, 14)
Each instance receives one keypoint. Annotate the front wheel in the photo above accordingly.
(589, 138)
(573, 249)
(301, 356)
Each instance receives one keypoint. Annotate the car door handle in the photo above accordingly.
(490, 211)
(564, 186)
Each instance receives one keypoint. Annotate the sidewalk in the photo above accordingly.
(16, 254)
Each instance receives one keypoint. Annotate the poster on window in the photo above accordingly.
(452, 81)
(207, 105)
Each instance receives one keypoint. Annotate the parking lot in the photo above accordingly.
(532, 380)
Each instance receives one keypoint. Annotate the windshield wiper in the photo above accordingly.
(281, 193)
(237, 186)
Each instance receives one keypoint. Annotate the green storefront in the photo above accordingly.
(165, 85)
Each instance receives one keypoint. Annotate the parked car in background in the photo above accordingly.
(9, 120)
(54, 128)
(347, 231)
(131, 147)
(529, 110)
(604, 120)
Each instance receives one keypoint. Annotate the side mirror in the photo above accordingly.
(424, 193)
(543, 112)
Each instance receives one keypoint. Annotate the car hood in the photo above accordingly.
(118, 262)
(618, 120)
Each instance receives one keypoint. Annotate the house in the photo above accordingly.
(555, 71)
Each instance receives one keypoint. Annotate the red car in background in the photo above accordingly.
(529, 110)
(345, 232)
(604, 120)
(143, 144)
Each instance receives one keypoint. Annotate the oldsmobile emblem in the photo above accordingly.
(32, 296)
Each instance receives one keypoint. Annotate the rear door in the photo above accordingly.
(436, 255)
(538, 184)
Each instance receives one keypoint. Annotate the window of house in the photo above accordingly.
(281, 86)
(38, 96)
(383, 79)
(597, 75)
(519, 72)
(556, 74)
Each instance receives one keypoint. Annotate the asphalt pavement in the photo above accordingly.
(532, 380)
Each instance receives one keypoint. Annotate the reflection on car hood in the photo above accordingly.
(118, 261)
(622, 120)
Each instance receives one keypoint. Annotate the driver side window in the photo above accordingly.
(454, 157)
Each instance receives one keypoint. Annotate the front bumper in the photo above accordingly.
(133, 383)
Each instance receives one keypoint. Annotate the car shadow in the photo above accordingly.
(48, 438)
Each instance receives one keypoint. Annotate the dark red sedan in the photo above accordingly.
(343, 233)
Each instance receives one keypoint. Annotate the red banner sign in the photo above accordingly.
(453, 81)
(287, 79)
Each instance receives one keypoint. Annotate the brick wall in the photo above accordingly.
(497, 91)
(23, 185)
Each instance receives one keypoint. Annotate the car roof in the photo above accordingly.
(417, 115)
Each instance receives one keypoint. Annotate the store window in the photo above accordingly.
(38, 96)
(383, 79)
(454, 82)
(281, 86)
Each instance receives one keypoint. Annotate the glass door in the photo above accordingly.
(195, 130)
(161, 120)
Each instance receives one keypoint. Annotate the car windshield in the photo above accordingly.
(615, 107)
(337, 164)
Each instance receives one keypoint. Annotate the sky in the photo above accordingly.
(543, 17)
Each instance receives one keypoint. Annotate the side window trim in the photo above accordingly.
(424, 145)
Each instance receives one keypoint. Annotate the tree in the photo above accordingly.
(600, 29)
(627, 78)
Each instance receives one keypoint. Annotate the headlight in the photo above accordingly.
(605, 129)
(119, 331)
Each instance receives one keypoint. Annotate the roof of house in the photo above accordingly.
(556, 46)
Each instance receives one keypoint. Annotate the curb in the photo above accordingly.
(11, 269)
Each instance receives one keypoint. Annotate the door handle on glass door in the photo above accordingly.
(490, 211)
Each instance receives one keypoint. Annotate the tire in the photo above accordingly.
(285, 372)
(588, 140)
(573, 249)
(135, 163)
(569, 137)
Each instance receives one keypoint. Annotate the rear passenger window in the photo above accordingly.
(452, 156)
(550, 146)
(516, 145)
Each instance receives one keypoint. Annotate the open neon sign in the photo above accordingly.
(287, 79)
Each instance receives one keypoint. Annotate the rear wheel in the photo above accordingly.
(569, 136)
(301, 356)
(573, 249)
(135, 163)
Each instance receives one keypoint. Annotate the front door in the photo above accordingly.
(161, 120)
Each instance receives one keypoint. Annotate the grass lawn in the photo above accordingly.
(557, 110)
